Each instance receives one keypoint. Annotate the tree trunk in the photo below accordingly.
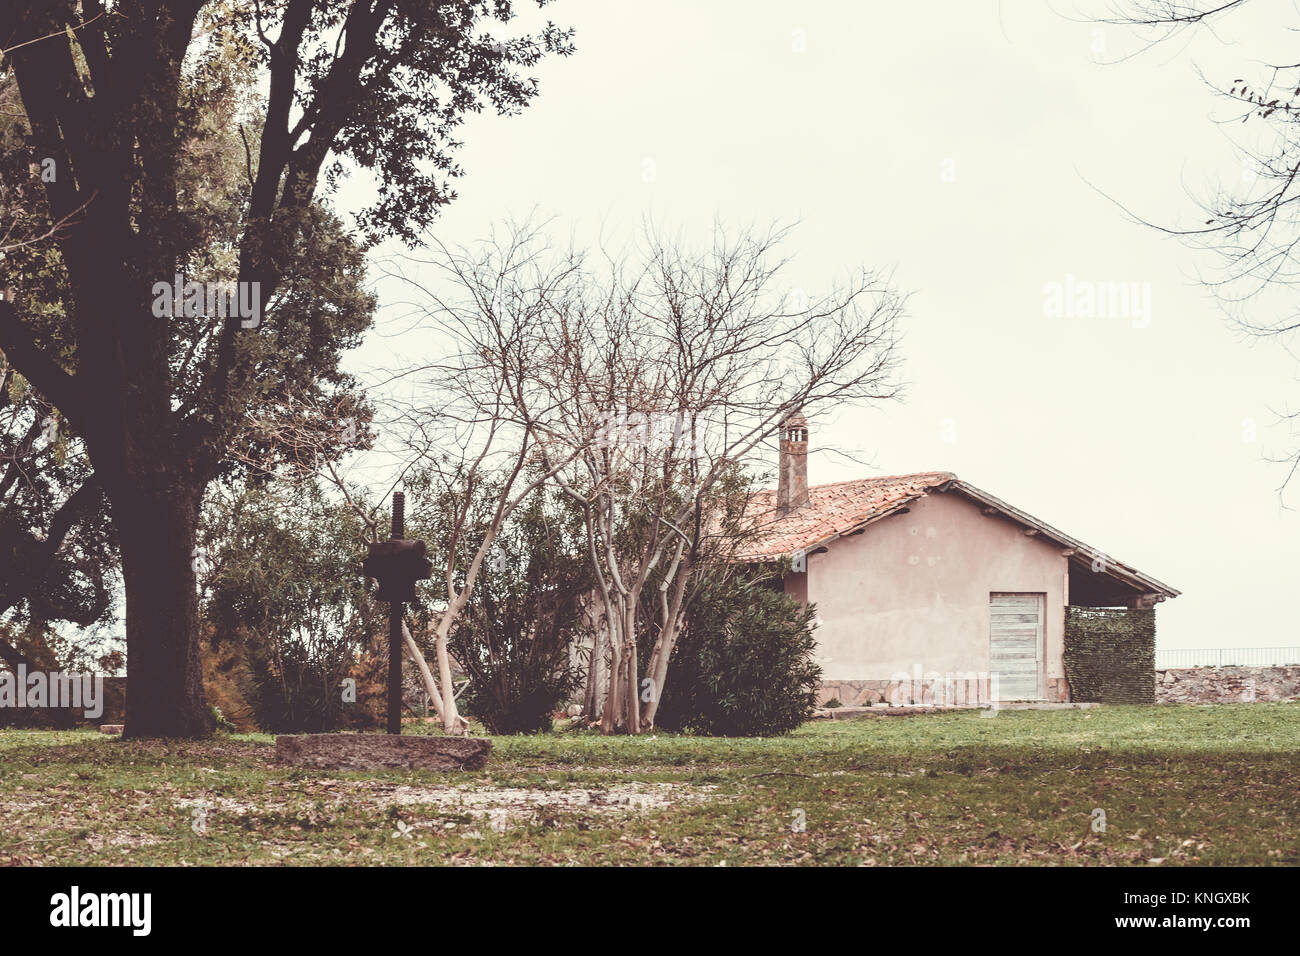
(591, 699)
(669, 630)
(164, 695)
(632, 693)
(611, 716)
(452, 722)
(430, 685)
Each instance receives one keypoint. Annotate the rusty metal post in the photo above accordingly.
(395, 629)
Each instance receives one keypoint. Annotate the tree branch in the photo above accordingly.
(50, 379)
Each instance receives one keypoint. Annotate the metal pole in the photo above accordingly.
(395, 629)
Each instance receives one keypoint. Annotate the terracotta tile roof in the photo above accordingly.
(832, 510)
(837, 509)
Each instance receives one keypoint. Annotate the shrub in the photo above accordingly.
(514, 637)
(219, 720)
(285, 608)
(744, 665)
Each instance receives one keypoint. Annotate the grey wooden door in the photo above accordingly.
(1016, 645)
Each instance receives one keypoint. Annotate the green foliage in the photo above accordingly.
(513, 638)
(744, 664)
(285, 585)
(321, 310)
(219, 720)
(1110, 654)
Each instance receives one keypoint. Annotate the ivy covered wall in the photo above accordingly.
(1110, 655)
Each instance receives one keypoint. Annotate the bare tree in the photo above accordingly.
(643, 390)
(304, 441)
(664, 375)
(475, 417)
(1251, 226)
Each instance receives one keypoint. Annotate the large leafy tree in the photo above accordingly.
(57, 551)
(112, 94)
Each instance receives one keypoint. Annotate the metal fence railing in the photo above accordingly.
(1227, 656)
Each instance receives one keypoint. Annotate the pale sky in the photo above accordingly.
(955, 143)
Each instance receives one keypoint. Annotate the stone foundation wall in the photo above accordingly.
(1224, 685)
(1178, 685)
(1110, 654)
(922, 692)
(930, 691)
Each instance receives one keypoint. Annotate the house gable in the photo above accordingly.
(911, 594)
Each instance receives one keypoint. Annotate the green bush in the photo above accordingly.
(219, 720)
(514, 637)
(744, 664)
(286, 596)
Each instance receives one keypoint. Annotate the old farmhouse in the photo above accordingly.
(932, 591)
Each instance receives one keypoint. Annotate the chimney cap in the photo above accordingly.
(795, 419)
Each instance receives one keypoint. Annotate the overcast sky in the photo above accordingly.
(970, 147)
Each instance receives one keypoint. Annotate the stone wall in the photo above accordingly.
(1223, 685)
(932, 690)
(1110, 655)
(923, 691)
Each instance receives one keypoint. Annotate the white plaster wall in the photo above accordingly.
(911, 594)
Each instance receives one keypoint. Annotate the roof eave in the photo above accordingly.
(1115, 569)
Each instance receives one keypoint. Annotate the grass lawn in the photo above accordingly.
(1178, 784)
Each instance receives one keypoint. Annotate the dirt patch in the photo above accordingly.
(498, 807)
(503, 807)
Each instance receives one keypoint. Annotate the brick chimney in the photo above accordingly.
(792, 476)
